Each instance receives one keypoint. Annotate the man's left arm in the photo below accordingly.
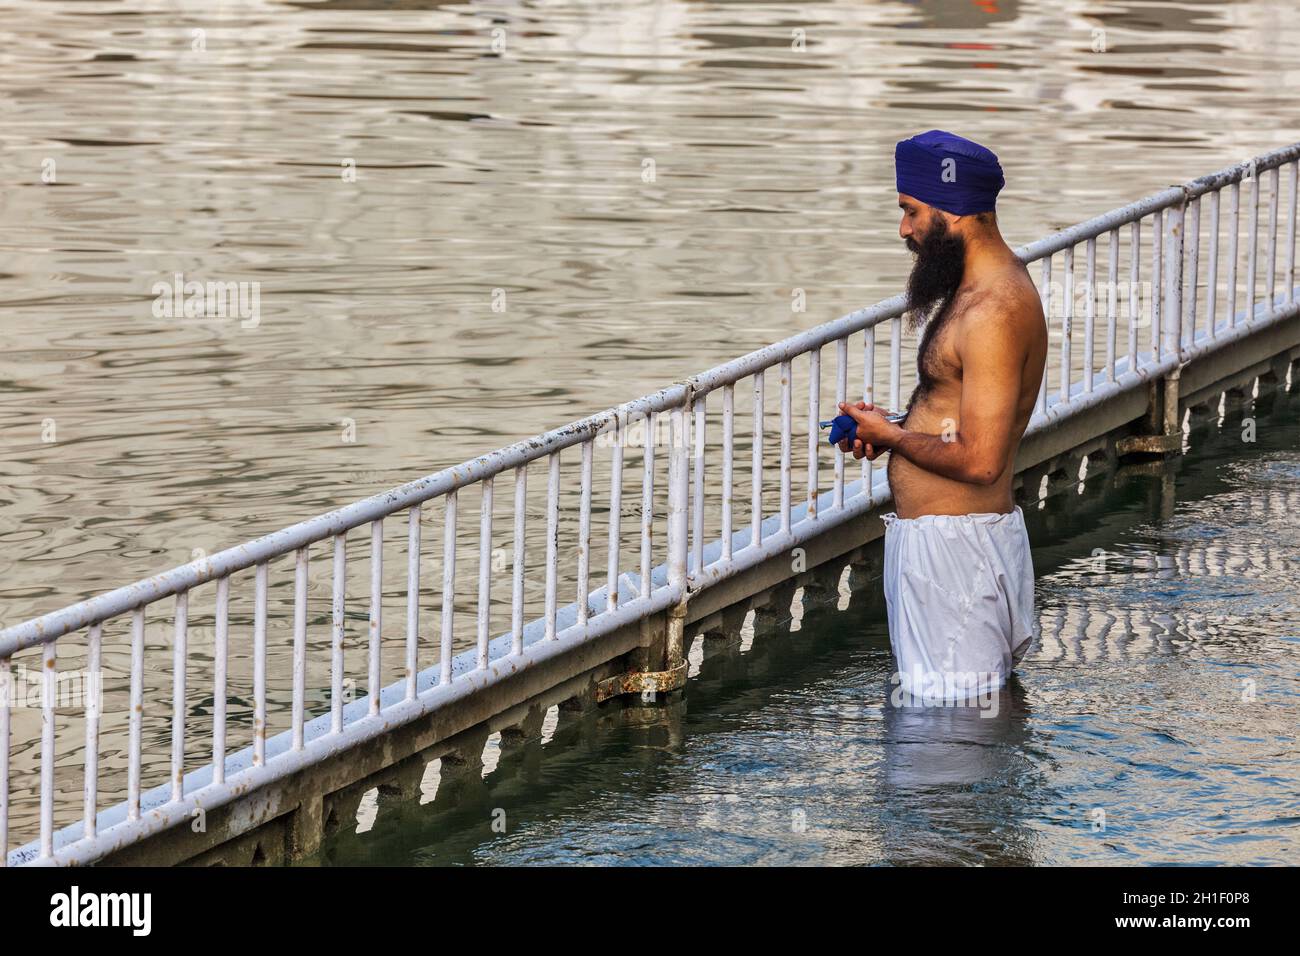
(992, 354)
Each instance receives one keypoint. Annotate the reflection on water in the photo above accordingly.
(1154, 723)
(957, 770)
(139, 148)
(641, 185)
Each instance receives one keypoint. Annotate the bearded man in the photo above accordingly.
(958, 577)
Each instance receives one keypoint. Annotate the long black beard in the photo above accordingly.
(936, 274)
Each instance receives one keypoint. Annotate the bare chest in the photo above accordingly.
(937, 363)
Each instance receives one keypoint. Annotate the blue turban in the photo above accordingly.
(948, 172)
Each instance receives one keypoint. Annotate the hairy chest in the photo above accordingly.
(937, 362)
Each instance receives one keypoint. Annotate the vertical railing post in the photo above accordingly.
(1112, 301)
(728, 465)
(517, 584)
(299, 646)
(1234, 236)
(1067, 324)
(1193, 261)
(553, 539)
(1134, 289)
(448, 586)
(1170, 330)
(179, 657)
(338, 623)
(1157, 280)
(1172, 313)
(1045, 293)
(49, 691)
(483, 622)
(582, 599)
(136, 716)
(1294, 167)
(413, 519)
(615, 510)
(1090, 314)
(6, 702)
(1212, 278)
(1270, 267)
(1164, 436)
(869, 394)
(787, 377)
(697, 494)
(814, 413)
(94, 706)
(647, 505)
(841, 395)
(261, 583)
(895, 363)
(376, 612)
(756, 463)
(1252, 251)
(221, 655)
(678, 470)
(678, 495)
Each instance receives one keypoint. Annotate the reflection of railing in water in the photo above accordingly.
(1090, 615)
(700, 552)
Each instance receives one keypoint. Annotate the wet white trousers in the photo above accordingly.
(960, 595)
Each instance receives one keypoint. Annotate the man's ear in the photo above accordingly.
(960, 225)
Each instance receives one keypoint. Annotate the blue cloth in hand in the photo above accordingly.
(844, 426)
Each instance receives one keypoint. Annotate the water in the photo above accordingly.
(1155, 723)
(521, 172)
(138, 148)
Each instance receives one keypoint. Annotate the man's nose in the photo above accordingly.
(904, 230)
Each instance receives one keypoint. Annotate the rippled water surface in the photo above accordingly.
(468, 224)
(1155, 723)
(521, 170)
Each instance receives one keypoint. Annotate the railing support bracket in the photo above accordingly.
(668, 649)
(1164, 423)
(648, 684)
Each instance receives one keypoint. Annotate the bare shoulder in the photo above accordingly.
(1002, 319)
(1008, 303)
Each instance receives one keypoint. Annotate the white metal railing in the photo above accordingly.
(702, 548)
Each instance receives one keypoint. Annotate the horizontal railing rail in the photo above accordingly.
(703, 547)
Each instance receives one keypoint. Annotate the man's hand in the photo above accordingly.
(875, 434)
